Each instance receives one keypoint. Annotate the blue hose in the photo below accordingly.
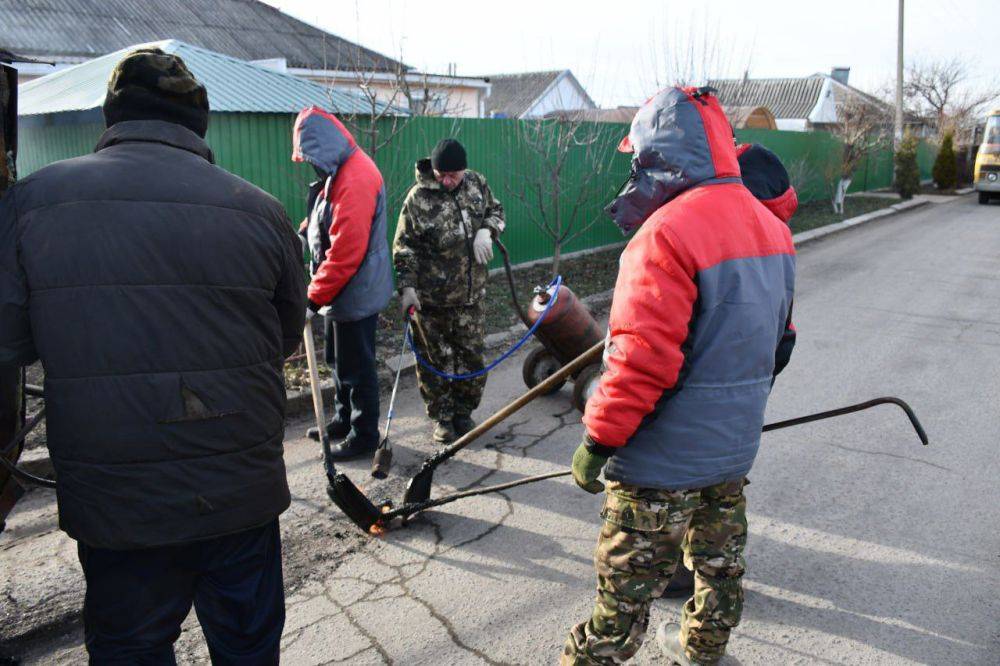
(557, 282)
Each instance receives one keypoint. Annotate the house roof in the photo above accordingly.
(786, 98)
(8, 57)
(232, 84)
(75, 30)
(620, 114)
(512, 95)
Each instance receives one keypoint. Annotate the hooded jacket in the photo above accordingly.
(766, 178)
(432, 251)
(700, 305)
(346, 226)
(161, 294)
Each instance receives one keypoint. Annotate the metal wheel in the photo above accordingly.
(538, 366)
(585, 384)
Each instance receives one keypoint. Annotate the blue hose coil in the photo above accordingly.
(556, 283)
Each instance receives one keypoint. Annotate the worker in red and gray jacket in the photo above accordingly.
(700, 309)
(351, 277)
(767, 179)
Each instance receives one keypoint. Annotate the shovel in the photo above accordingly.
(339, 488)
(382, 460)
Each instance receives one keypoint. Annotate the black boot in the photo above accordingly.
(354, 447)
(335, 430)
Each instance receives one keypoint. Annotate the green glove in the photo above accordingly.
(587, 466)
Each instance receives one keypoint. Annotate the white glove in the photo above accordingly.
(408, 299)
(482, 246)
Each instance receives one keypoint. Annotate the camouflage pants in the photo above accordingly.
(639, 547)
(455, 344)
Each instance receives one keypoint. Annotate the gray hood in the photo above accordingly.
(680, 138)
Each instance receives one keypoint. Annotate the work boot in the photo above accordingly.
(681, 584)
(335, 431)
(444, 432)
(668, 637)
(463, 423)
(353, 447)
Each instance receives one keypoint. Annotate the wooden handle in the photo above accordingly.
(317, 394)
(553, 380)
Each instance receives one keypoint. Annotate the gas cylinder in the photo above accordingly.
(568, 329)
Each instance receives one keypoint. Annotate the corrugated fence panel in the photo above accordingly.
(258, 147)
(811, 158)
(49, 139)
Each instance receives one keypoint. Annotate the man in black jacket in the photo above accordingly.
(161, 295)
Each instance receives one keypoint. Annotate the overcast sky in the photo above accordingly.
(622, 51)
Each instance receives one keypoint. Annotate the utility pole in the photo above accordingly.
(898, 134)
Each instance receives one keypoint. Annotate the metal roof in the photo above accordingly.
(512, 95)
(233, 85)
(785, 98)
(75, 30)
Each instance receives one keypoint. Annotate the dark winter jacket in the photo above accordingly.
(161, 294)
(699, 309)
(346, 227)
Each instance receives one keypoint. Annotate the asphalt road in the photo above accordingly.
(865, 547)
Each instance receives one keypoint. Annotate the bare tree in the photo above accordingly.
(943, 91)
(684, 53)
(863, 127)
(389, 97)
(558, 169)
(802, 175)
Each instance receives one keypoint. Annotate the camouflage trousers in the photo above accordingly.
(644, 533)
(455, 344)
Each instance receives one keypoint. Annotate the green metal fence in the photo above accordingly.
(258, 147)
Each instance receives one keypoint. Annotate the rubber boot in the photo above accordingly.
(444, 432)
(668, 638)
(335, 430)
(353, 447)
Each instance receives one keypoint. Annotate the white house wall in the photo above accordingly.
(825, 111)
(791, 124)
(563, 96)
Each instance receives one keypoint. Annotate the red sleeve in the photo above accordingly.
(650, 315)
(354, 202)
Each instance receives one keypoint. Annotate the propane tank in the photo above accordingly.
(569, 329)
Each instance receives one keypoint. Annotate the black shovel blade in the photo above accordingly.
(419, 488)
(381, 462)
(353, 503)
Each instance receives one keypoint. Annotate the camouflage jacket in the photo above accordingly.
(432, 251)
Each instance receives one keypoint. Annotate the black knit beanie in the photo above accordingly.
(148, 84)
(449, 155)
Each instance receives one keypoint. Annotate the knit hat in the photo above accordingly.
(449, 155)
(148, 84)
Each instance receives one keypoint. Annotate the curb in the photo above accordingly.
(806, 237)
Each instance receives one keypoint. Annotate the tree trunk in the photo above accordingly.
(556, 257)
(839, 193)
